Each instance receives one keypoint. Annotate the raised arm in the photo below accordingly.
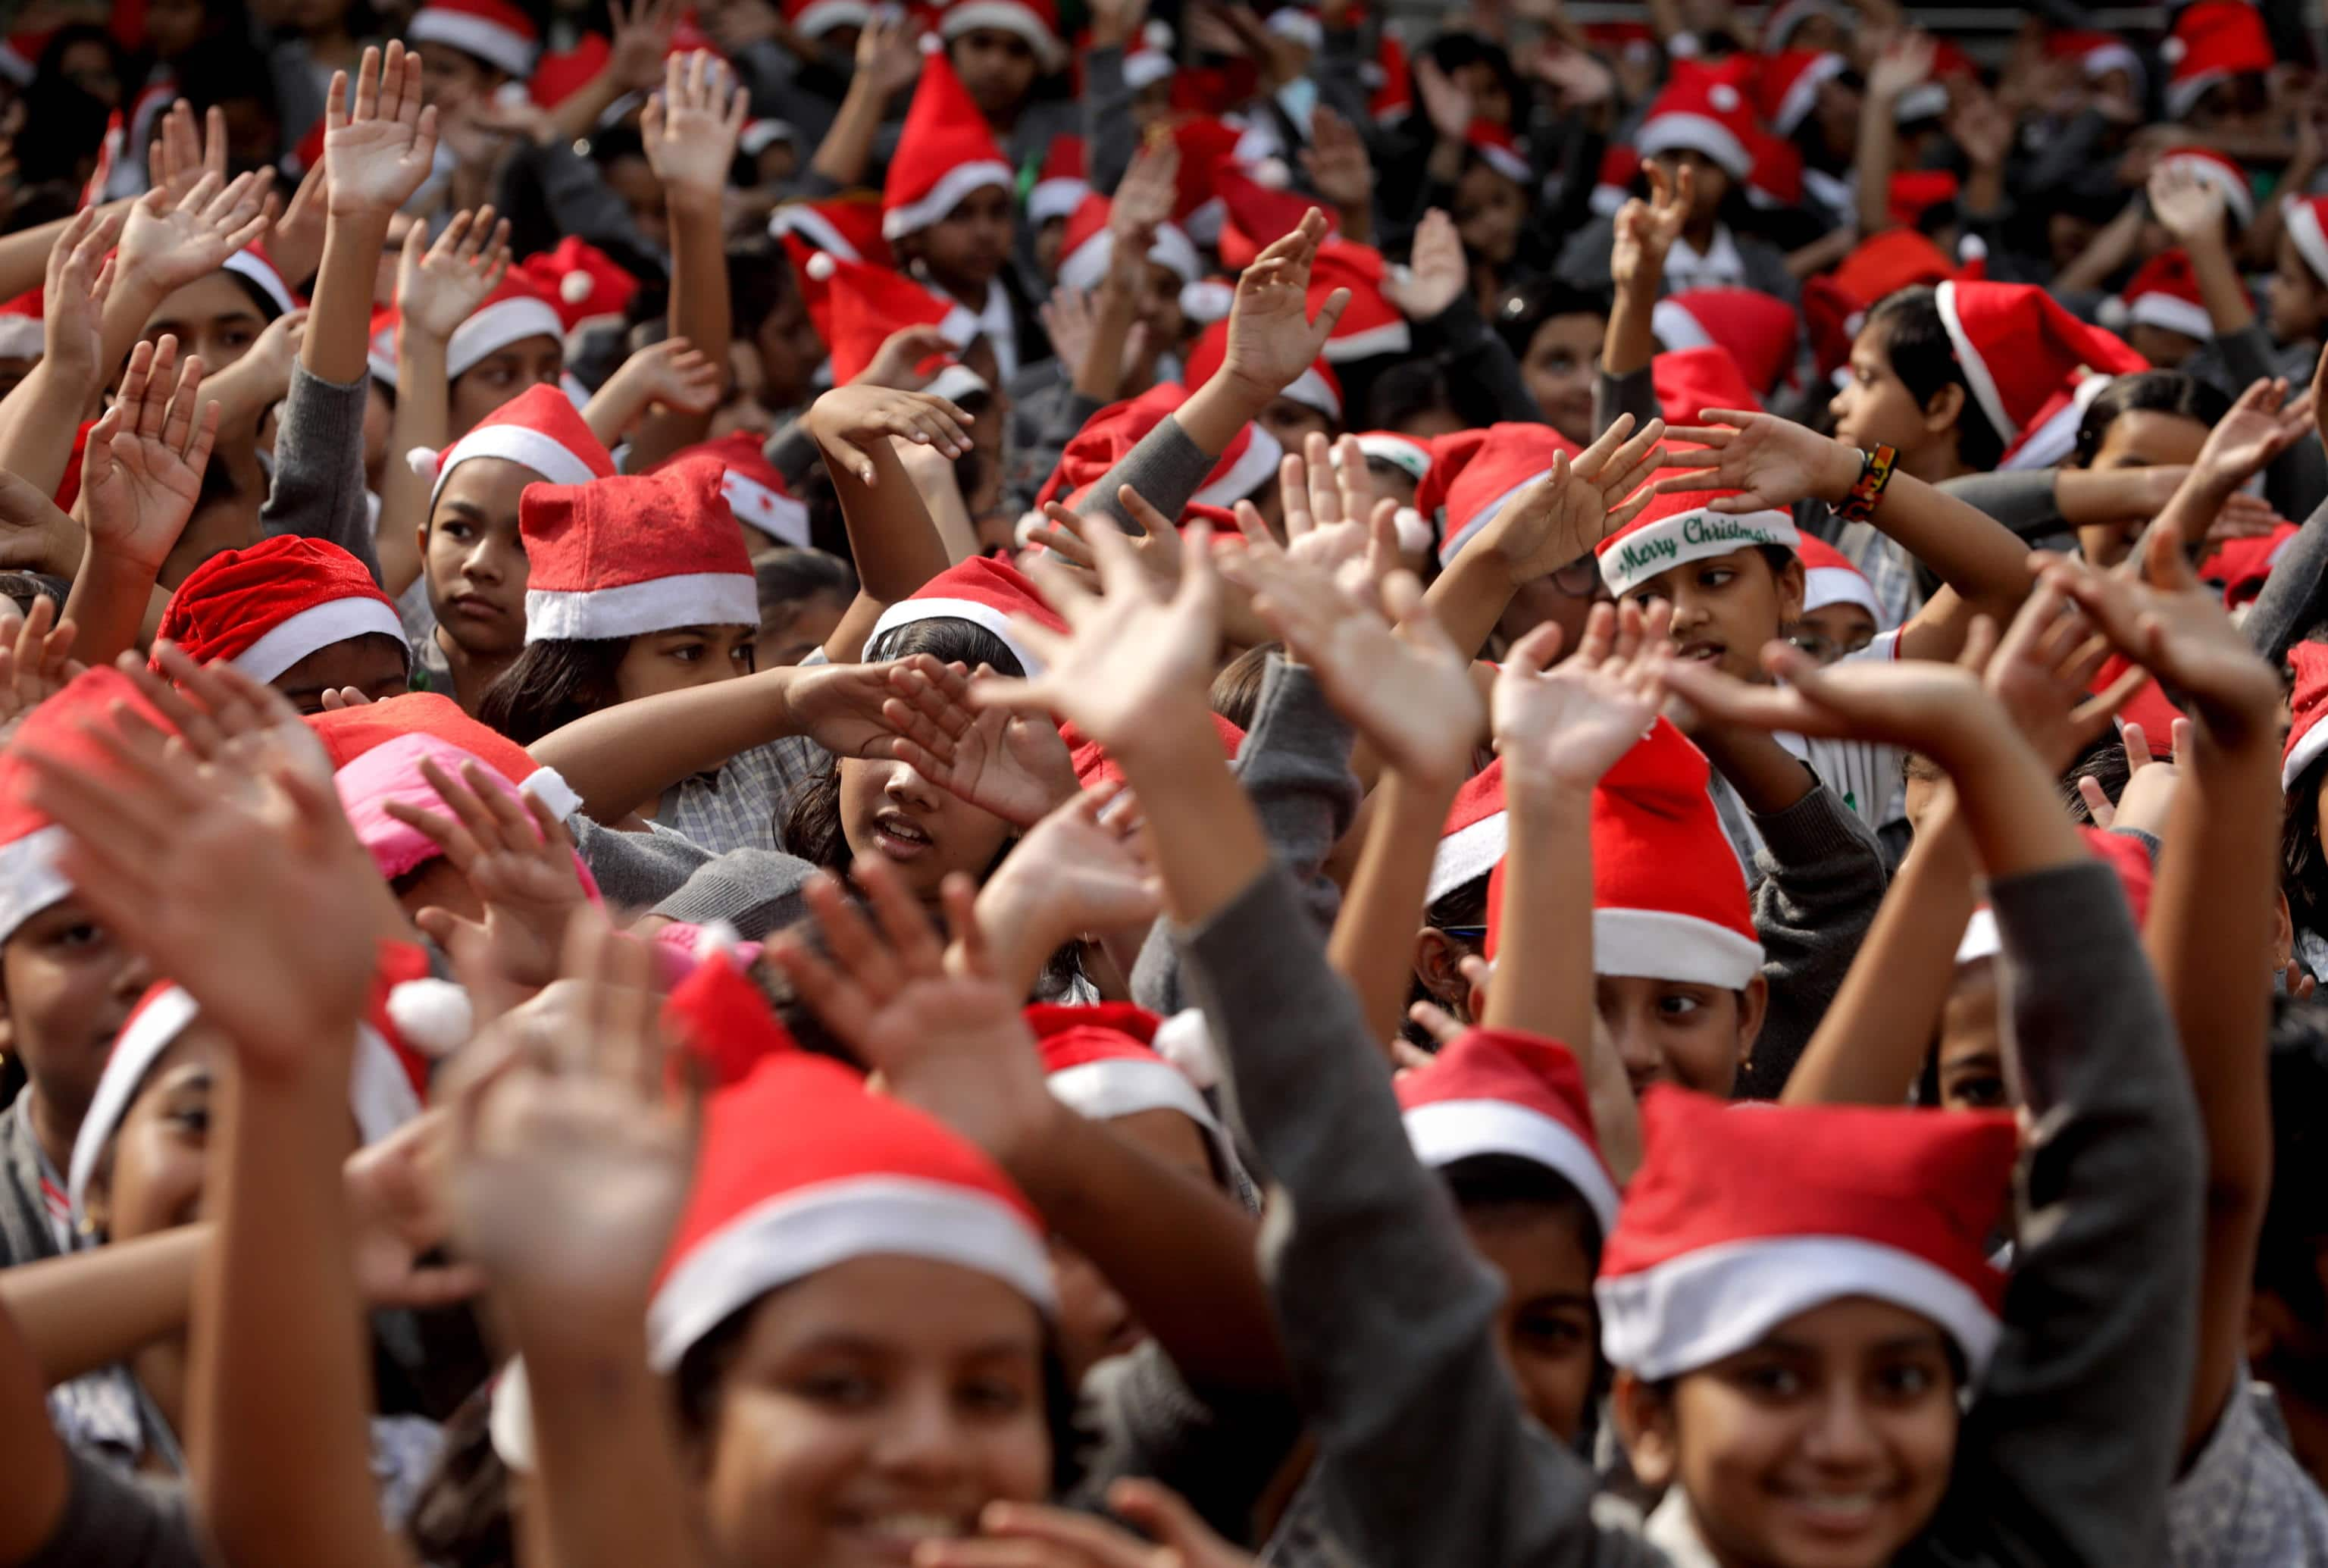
(892, 539)
(41, 414)
(1644, 235)
(691, 129)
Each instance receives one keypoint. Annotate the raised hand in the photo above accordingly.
(1983, 127)
(1014, 766)
(438, 286)
(1115, 23)
(673, 373)
(1271, 337)
(295, 236)
(2262, 424)
(1446, 103)
(1565, 727)
(1919, 704)
(2192, 208)
(238, 729)
(379, 141)
(889, 56)
(35, 533)
(166, 244)
(257, 380)
(1382, 661)
(642, 38)
(690, 127)
(1077, 872)
(1319, 534)
(571, 1161)
(1144, 201)
(72, 300)
(1577, 75)
(847, 419)
(396, 1216)
(1037, 1536)
(1771, 462)
(897, 363)
(1337, 160)
(2042, 672)
(1066, 321)
(1435, 274)
(142, 466)
(1646, 230)
(1564, 516)
(35, 664)
(840, 706)
(180, 155)
(1905, 64)
(518, 859)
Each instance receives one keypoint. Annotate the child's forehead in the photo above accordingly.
(1747, 558)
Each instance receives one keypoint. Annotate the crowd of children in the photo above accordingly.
(1104, 783)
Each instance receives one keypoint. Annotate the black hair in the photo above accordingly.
(1451, 51)
(1236, 689)
(2295, 1219)
(759, 281)
(461, 1514)
(2148, 392)
(2302, 862)
(1925, 359)
(71, 120)
(224, 69)
(617, 142)
(2105, 763)
(1406, 389)
(787, 576)
(260, 300)
(1492, 1181)
(705, 1366)
(24, 586)
(1523, 310)
(552, 684)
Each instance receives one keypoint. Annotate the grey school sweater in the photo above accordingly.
(1427, 1458)
(318, 490)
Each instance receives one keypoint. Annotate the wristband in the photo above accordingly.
(1874, 474)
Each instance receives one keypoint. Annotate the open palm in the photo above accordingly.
(1571, 724)
(166, 245)
(379, 142)
(1771, 462)
(1014, 766)
(1271, 337)
(142, 466)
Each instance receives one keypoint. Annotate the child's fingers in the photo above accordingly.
(2096, 800)
(906, 929)
(2138, 748)
(1435, 1021)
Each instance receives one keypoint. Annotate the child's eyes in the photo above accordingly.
(744, 653)
(1772, 1380)
(848, 1389)
(993, 1396)
(1906, 1380)
(1679, 1007)
(1715, 578)
(688, 654)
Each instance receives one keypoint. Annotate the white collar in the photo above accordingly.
(1720, 264)
(1000, 329)
(1673, 1531)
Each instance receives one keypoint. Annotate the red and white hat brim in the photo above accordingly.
(635, 609)
(2218, 173)
(1116, 1087)
(1144, 68)
(1411, 456)
(2300, 756)
(2184, 92)
(1086, 267)
(1633, 558)
(1392, 337)
(1467, 853)
(258, 270)
(1055, 199)
(1673, 328)
(140, 1044)
(1976, 369)
(2311, 243)
(29, 879)
(822, 16)
(1312, 390)
(953, 188)
(977, 613)
(529, 449)
(799, 1232)
(290, 639)
(489, 40)
(1715, 1301)
(1803, 92)
(1507, 163)
(1480, 517)
(494, 328)
(1447, 1131)
(806, 220)
(1676, 133)
(1255, 468)
(1005, 16)
(758, 506)
(1659, 944)
(2172, 313)
(1826, 585)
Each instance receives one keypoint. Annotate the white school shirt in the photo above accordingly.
(1864, 775)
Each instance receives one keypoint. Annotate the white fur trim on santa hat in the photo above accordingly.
(1392, 337)
(1465, 854)
(2301, 755)
(508, 1418)
(1412, 456)
(549, 787)
(800, 217)
(1976, 369)
(1004, 16)
(379, 1089)
(794, 1235)
(1447, 1131)
(1659, 944)
(1633, 558)
(1824, 586)
(1144, 68)
(148, 1033)
(1506, 162)
(1298, 27)
(489, 40)
(1085, 267)
(1208, 300)
(1715, 1301)
(1312, 390)
(1674, 328)
(905, 612)
(2303, 228)
(2183, 93)
(1247, 473)
(2209, 171)
(2053, 438)
(2115, 55)
(1055, 199)
(1125, 1085)
(955, 382)
(1669, 133)
(1479, 518)
(822, 16)
(2166, 310)
(635, 609)
(22, 337)
(258, 270)
(757, 506)
(1924, 101)
(1980, 938)
(492, 329)
(1186, 1041)
(519, 444)
(759, 135)
(432, 1015)
(952, 187)
(1804, 92)
(317, 626)
(29, 879)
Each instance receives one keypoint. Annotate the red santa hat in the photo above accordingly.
(1410, 453)
(1620, 166)
(496, 32)
(1689, 381)
(1475, 471)
(514, 311)
(1674, 529)
(1316, 388)
(1698, 112)
(847, 226)
(2053, 435)
(379, 348)
(1914, 192)
(1835, 304)
(2018, 347)
(31, 843)
(1472, 843)
(1790, 85)
(815, 18)
(539, 428)
(253, 264)
(1759, 330)
(350, 733)
(945, 151)
(1783, 20)
(1089, 246)
(800, 1169)
(584, 284)
(1775, 183)
(2305, 226)
(1036, 21)
(2097, 55)
(754, 489)
(986, 593)
(1248, 463)
(2217, 171)
(1060, 184)
(20, 55)
(623, 556)
(266, 607)
(2307, 737)
(1371, 325)
(1830, 578)
(1150, 61)
(1255, 216)
(23, 332)
(2164, 292)
(1894, 1204)
(2242, 565)
(2124, 853)
(857, 306)
(1101, 1061)
(1498, 148)
(1503, 1091)
(2213, 41)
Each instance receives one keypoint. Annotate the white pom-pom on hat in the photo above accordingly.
(575, 286)
(2172, 50)
(432, 1015)
(822, 267)
(424, 461)
(1723, 96)
(931, 44)
(1156, 35)
(1184, 1040)
(717, 940)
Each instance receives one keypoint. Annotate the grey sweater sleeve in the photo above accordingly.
(756, 891)
(1633, 392)
(2021, 499)
(1822, 879)
(2294, 597)
(637, 870)
(2297, 479)
(1110, 136)
(2069, 1446)
(319, 479)
(1166, 468)
(1295, 766)
(1426, 1458)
